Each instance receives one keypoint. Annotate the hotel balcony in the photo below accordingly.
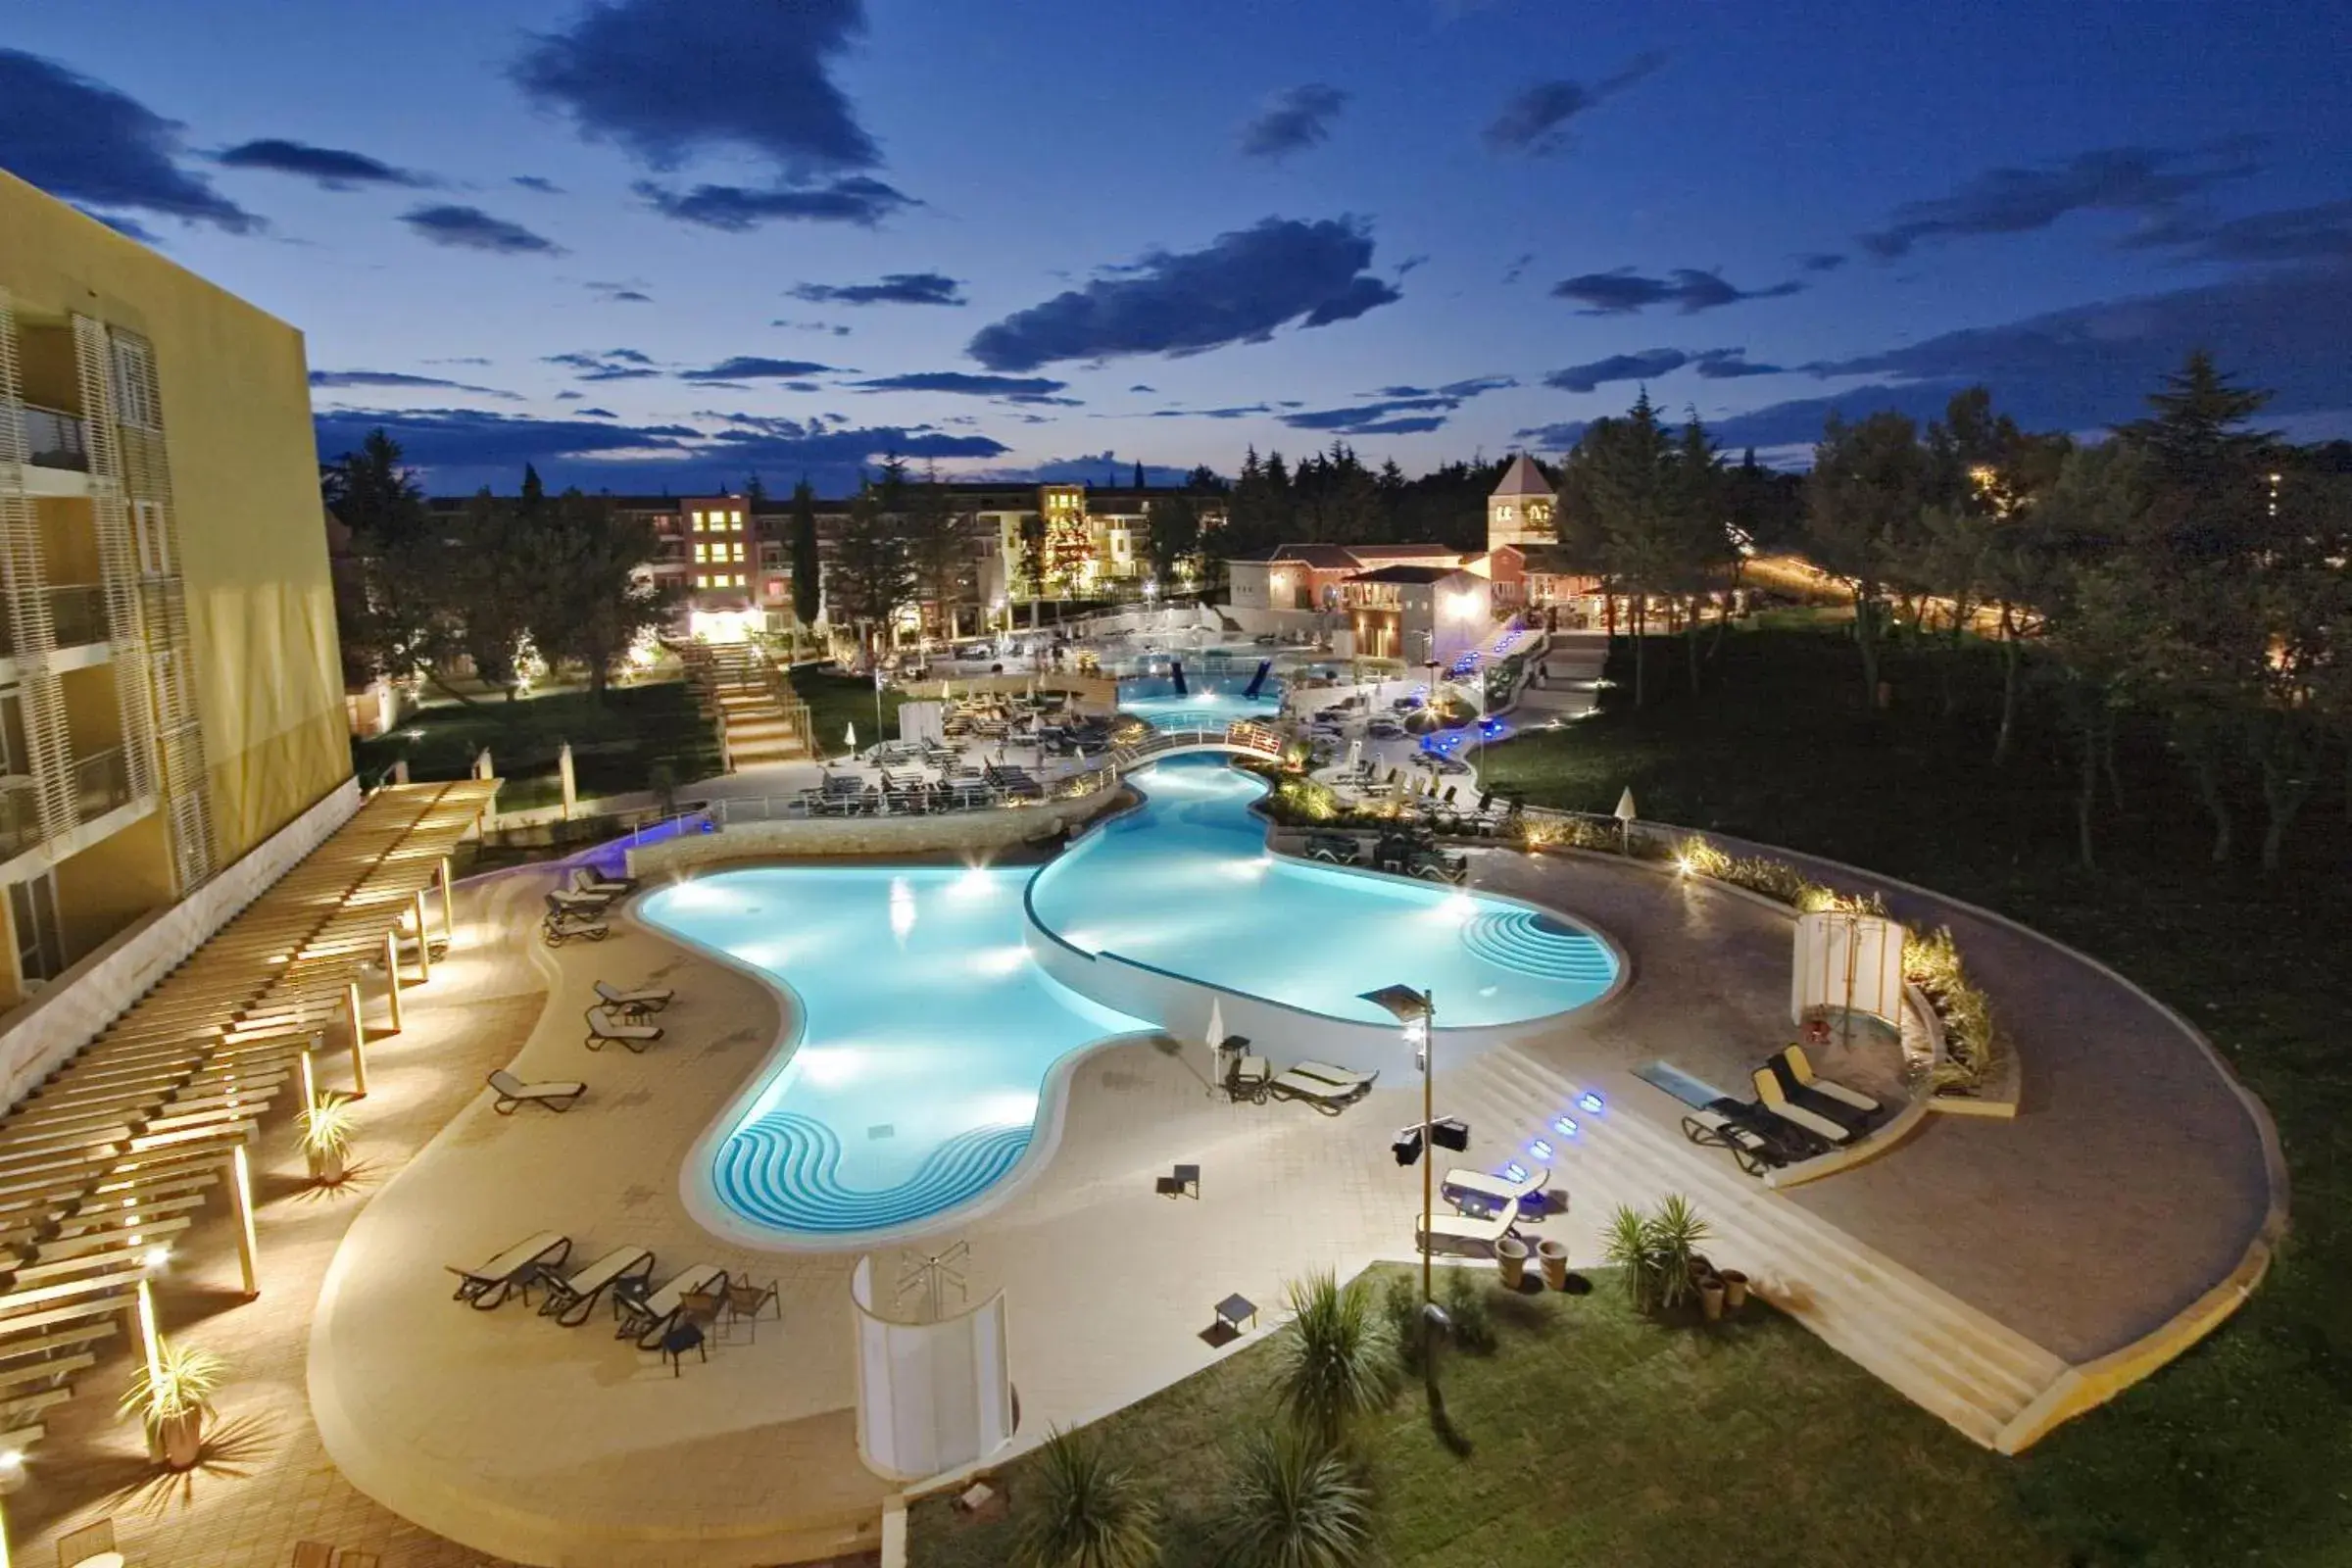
(55, 439)
(101, 784)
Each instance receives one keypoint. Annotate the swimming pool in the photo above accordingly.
(929, 1030)
(1210, 700)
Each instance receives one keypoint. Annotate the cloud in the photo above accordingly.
(402, 378)
(128, 227)
(612, 365)
(1141, 387)
(2294, 234)
(1595, 374)
(1395, 409)
(1821, 260)
(1100, 467)
(650, 75)
(1558, 437)
(538, 182)
(1416, 424)
(1479, 385)
(1623, 291)
(962, 383)
(811, 327)
(472, 229)
(2147, 183)
(2092, 366)
(334, 167)
(749, 367)
(1727, 364)
(1237, 410)
(82, 140)
(619, 293)
(1239, 289)
(1535, 121)
(856, 200)
(1519, 266)
(895, 289)
(1364, 417)
(1293, 119)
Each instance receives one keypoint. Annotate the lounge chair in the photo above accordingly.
(1247, 1077)
(642, 998)
(1786, 1141)
(584, 879)
(646, 1318)
(1339, 1077)
(1458, 1229)
(560, 927)
(1750, 1151)
(1774, 1100)
(1321, 1093)
(604, 1024)
(517, 1268)
(564, 901)
(514, 1094)
(1801, 1067)
(1492, 1192)
(1821, 1104)
(570, 1297)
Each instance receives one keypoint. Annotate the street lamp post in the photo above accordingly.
(1417, 1011)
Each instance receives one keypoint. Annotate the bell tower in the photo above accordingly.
(1520, 511)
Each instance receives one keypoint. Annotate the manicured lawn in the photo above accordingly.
(2240, 1451)
(615, 744)
(1596, 1436)
(837, 701)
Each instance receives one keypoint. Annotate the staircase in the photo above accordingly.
(747, 696)
(1944, 1355)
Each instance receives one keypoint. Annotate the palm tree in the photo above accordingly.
(1675, 1233)
(1339, 1361)
(1291, 1502)
(1625, 1243)
(1085, 1513)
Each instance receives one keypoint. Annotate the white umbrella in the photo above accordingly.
(849, 736)
(1216, 1036)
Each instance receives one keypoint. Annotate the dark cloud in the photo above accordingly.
(460, 449)
(1141, 387)
(1728, 364)
(401, 378)
(1556, 437)
(962, 383)
(1415, 425)
(1519, 266)
(651, 74)
(1364, 417)
(754, 367)
(1617, 368)
(2320, 234)
(538, 182)
(1397, 410)
(1821, 260)
(1238, 290)
(2092, 366)
(1535, 122)
(856, 200)
(833, 329)
(128, 227)
(619, 293)
(1237, 410)
(595, 413)
(612, 365)
(470, 228)
(1623, 291)
(82, 140)
(335, 167)
(1293, 119)
(1101, 467)
(895, 289)
(2150, 183)
(1479, 385)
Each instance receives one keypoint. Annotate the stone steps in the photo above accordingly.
(1944, 1355)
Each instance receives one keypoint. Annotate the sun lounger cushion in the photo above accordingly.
(1773, 1100)
(1497, 1189)
(1801, 1067)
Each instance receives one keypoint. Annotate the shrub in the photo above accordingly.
(1337, 1362)
(1467, 1309)
(1292, 1502)
(1085, 1513)
(1401, 1304)
(1655, 1254)
(1625, 1243)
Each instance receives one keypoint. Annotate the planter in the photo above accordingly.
(1554, 1256)
(326, 1165)
(180, 1439)
(1710, 1298)
(1510, 1258)
(1734, 1289)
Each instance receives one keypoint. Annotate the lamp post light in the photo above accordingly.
(1417, 1011)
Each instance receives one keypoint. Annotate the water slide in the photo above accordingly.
(1176, 669)
(1264, 667)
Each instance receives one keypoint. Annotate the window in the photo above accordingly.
(702, 550)
(739, 579)
(735, 520)
(41, 945)
(738, 549)
(154, 544)
(134, 383)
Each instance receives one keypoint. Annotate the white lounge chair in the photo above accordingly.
(606, 1024)
(1321, 1093)
(585, 880)
(642, 998)
(1338, 1077)
(570, 1297)
(1771, 1097)
(1445, 1230)
(1801, 1067)
(566, 900)
(645, 1318)
(1493, 1190)
(514, 1094)
(517, 1268)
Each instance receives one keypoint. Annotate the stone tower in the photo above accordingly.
(1519, 512)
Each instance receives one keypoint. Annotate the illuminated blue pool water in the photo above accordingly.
(1209, 702)
(929, 1030)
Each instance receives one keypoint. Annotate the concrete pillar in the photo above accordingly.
(392, 974)
(571, 787)
(358, 1041)
(481, 764)
(240, 1191)
(424, 941)
(449, 910)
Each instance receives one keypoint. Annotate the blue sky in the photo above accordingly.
(661, 243)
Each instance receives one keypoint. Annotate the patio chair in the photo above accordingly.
(1750, 1151)
(585, 879)
(604, 1024)
(1773, 1101)
(638, 998)
(1492, 1192)
(513, 1092)
(1821, 1104)
(1454, 1230)
(1787, 1142)
(80, 1545)
(517, 1268)
(570, 1297)
(748, 1299)
(1247, 1078)
(1801, 1067)
(646, 1318)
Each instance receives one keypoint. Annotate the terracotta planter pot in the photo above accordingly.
(1710, 1298)
(181, 1438)
(326, 1165)
(1510, 1260)
(1554, 1256)
(1734, 1289)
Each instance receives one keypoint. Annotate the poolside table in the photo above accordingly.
(1234, 1308)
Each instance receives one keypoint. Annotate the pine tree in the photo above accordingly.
(807, 586)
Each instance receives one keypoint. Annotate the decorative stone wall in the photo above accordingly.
(952, 831)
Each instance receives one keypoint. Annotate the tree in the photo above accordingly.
(492, 563)
(1171, 535)
(1705, 556)
(593, 600)
(374, 493)
(1624, 482)
(1338, 1362)
(1081, 1511)
(936, 551)
(534, 491)
(872, 575)
(807, 581)
(1140, 483)
(1292, 1502)
(1861, 505)
(2202, 463)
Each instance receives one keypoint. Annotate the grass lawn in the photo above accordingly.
(1596, 1436)
(614, 746)
(2243, 1451)
(837, 701)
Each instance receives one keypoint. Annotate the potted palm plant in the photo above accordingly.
(172, 1397)
(327, 1124)
(1675, 1233)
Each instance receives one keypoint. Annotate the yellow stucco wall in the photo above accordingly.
(245, 491)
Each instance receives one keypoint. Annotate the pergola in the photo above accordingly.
(114, 1152)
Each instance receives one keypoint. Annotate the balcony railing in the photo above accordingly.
(100, 782)
(76, 612)
(20, 815)
(55, 439)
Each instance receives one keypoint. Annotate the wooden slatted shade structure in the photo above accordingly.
(115, 1151)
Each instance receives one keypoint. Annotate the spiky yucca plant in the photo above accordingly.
(1674, 1234)
(1084, 1512)
(327, 1124)
(1625, 1243)
(1339, 1359)
(181, 1384)
(1292, 1502)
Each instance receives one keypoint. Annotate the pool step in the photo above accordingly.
(783, 1170)
(1531, 943)
(1949, 1357)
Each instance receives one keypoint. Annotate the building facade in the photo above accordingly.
(170, 692)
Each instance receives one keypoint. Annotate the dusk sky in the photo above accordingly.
(665, 243)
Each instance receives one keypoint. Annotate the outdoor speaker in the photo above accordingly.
(1449, 1132)
(1408, 1146)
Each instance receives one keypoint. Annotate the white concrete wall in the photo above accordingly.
(72, 1011)
(983, 830)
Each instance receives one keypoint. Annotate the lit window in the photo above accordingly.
(739, 579)
(736, 518)
(702, 550)
(697, 519)
(738, 549)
